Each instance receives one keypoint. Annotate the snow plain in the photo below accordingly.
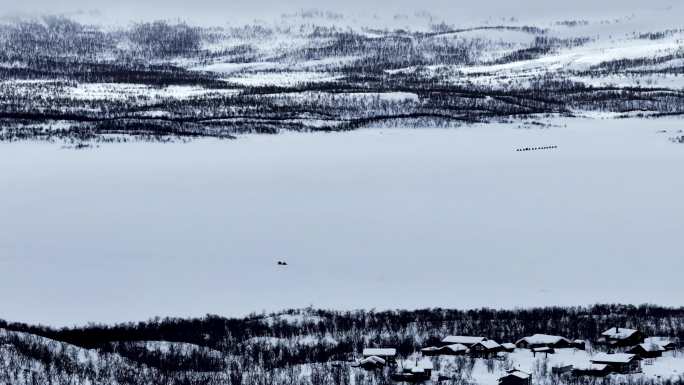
(384, 218)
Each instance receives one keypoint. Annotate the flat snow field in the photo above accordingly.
(384, 218)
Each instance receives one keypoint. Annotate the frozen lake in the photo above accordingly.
(391, 218)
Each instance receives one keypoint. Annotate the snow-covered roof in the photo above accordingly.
(520, 374)
(508, 345)
(465, 340)
(517, 373)
(614, 358)
(372, 360)
(619, 333)
(457, 347)
(662, 341)
(651, 347)
(543, 339)
(380, 352)
(489, 344)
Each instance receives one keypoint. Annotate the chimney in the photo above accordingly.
(617, 330)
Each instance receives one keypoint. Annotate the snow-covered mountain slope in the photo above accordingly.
(324, 71)
(255, 350)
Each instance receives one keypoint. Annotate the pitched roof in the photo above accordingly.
(372, 360)
(465, 340)
(430, 349)
(619, 333)
(651, 347)
(489, 344)
(508, 345)
(615, 358)
(517, 373)
(457, 347)
(380, 352)
(543, 339)
(662, 341)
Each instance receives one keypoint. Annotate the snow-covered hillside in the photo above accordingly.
(324, 71)
(320, 347)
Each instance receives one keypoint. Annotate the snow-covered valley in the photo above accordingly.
(343, 198)
(373, 218)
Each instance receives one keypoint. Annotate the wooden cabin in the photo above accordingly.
(485, 349)
(508, 347)
(647, 350)
(623, 363)
(621, 337)
(463, 340)
(411, 371)
(666, 342)
(543, 340)
(515, 377)
(448, 350)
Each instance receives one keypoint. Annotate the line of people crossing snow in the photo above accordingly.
(536, 148)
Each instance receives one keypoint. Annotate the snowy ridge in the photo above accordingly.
(322, 71)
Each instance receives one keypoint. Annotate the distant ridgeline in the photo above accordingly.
(298, 346)
(62, 79)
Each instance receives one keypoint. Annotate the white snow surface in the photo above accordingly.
(384, 218)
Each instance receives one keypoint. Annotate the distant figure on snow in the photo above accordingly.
(281, 263)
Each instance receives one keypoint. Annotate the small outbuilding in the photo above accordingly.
(621, 337)
(485, 349)
(414, 371)
(666, 342)
(647, 350)
(508, 347)
(515, 377)
(371, 363)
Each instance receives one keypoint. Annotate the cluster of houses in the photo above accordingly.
(628, 347)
